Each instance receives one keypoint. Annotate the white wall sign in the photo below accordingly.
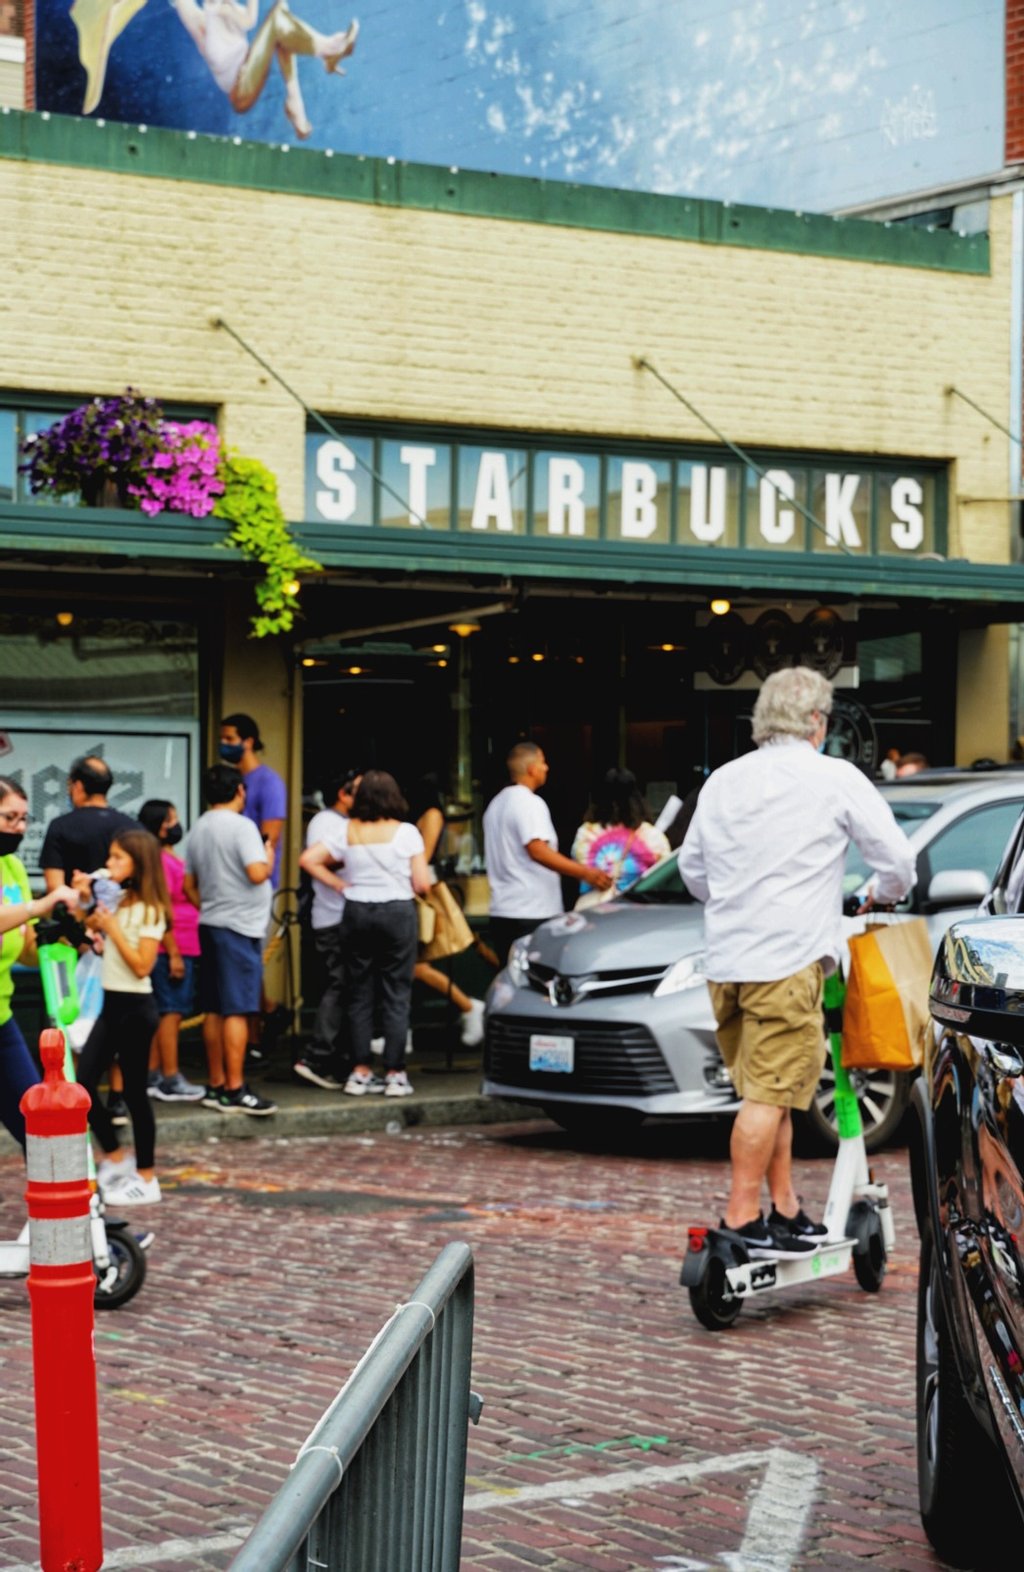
(889, 508)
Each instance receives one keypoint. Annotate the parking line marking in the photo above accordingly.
(778, 1515)
(167, 1550)
(613, 1484)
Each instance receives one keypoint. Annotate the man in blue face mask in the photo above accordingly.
(266, 796)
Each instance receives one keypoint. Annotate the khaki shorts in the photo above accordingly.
(772, 1037)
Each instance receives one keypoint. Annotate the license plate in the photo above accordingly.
(551, 1054)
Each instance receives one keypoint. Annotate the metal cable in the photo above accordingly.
(217, 321)
(643, 364)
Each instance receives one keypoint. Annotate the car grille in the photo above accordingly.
(632, 979)
(610, 1060)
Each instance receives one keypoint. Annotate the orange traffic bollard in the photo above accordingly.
(61, 1284)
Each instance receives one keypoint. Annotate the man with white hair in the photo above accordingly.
(765, 853)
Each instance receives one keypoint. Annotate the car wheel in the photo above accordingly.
(956, 1461)
(882, 1097)
(595, 1121)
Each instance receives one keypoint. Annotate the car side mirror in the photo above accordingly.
(977, 983)
(958, 887)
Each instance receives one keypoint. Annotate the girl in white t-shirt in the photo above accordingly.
(383, 868)
(128, 1020)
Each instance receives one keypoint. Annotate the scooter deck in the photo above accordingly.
(757, 1276)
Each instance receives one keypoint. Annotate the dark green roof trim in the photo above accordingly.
(702, 568)
(179, 155)
(95, 535)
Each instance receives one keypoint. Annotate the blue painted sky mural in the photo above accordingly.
(808, 104)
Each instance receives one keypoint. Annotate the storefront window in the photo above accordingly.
(906, 513)
(707, 504)
(841, 500)
(640, 500)
(417, 485)
(773, 522)
(567, 494)
(8, 455)
(492, 490)
(99, 665)
(893, 659)
(339, 479)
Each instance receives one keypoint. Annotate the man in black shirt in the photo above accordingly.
(80, 840)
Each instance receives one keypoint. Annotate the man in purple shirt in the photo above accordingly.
(266, 796)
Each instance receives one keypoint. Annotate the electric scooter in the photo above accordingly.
(719, 1273)
(119, 1259)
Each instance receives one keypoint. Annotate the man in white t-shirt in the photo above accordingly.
(327, 1052)
(524, 866)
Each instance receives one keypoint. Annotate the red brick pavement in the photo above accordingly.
(276, 1262)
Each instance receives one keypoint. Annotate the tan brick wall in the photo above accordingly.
(393, 313)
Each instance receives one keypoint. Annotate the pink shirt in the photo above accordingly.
(186, 917)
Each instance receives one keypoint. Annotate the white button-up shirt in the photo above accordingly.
(766, 850)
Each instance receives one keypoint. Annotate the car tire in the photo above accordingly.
(882, 1096)
(956, 1461)
(595, 1121)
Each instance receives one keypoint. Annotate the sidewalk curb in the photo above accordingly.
(334, 1117)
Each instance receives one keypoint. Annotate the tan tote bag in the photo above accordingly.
(452, 933)
(885, 1016)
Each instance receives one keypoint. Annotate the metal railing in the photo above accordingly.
(379, 1484)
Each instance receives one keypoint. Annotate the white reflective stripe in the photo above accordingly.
(53, 1159)
(59, 1241)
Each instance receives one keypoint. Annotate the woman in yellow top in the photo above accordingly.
(18, 910)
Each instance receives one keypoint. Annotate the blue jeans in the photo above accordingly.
(17, 1073)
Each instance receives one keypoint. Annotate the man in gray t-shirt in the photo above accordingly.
(228, 869)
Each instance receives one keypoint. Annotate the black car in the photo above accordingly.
(967, 1165)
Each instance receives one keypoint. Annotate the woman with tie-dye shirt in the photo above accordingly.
(617, 835)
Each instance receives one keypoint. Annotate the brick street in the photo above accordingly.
(787, 1441)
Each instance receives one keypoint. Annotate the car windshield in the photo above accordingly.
(661, 885)
(908, 813)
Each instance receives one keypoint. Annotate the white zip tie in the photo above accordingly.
(332, 1451)
(422, 1305)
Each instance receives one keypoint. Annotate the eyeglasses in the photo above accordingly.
(16, 821)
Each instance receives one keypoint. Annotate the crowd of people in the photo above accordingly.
(180, 936)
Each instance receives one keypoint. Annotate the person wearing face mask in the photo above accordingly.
(175, 975)
(18, 912)
(765, 852)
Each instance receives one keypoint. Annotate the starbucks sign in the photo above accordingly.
(663, 496)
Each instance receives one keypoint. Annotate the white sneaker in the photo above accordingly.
(362, 1081)
(109, 1172)
(133, 1190)
(396, 1084)
(471, 1028)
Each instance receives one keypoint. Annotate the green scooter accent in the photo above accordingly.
(848, 1120)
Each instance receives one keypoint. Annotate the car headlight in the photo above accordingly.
(688, 973)
(518, 963)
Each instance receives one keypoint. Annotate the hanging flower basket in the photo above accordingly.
(121, 452)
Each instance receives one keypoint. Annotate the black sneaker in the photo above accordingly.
(241, 1100)
(770, 1244)
(212, 1096)
(800, 1226)
(117, 1108)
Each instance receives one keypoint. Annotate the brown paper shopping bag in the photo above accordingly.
(885, 1017)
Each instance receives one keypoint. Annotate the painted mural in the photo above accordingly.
(811, 104)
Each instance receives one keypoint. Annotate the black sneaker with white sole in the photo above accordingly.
(800, 1226)
(242, 1100)
(764, 1243)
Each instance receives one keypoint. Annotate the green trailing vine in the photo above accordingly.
(259, 530)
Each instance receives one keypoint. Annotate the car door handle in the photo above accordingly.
(1004, 1062)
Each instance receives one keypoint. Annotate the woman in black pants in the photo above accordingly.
(131, 933)
(384, 867)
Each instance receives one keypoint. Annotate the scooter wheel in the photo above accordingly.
(708, 1298)
(126, 1273)
(865, 1226)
